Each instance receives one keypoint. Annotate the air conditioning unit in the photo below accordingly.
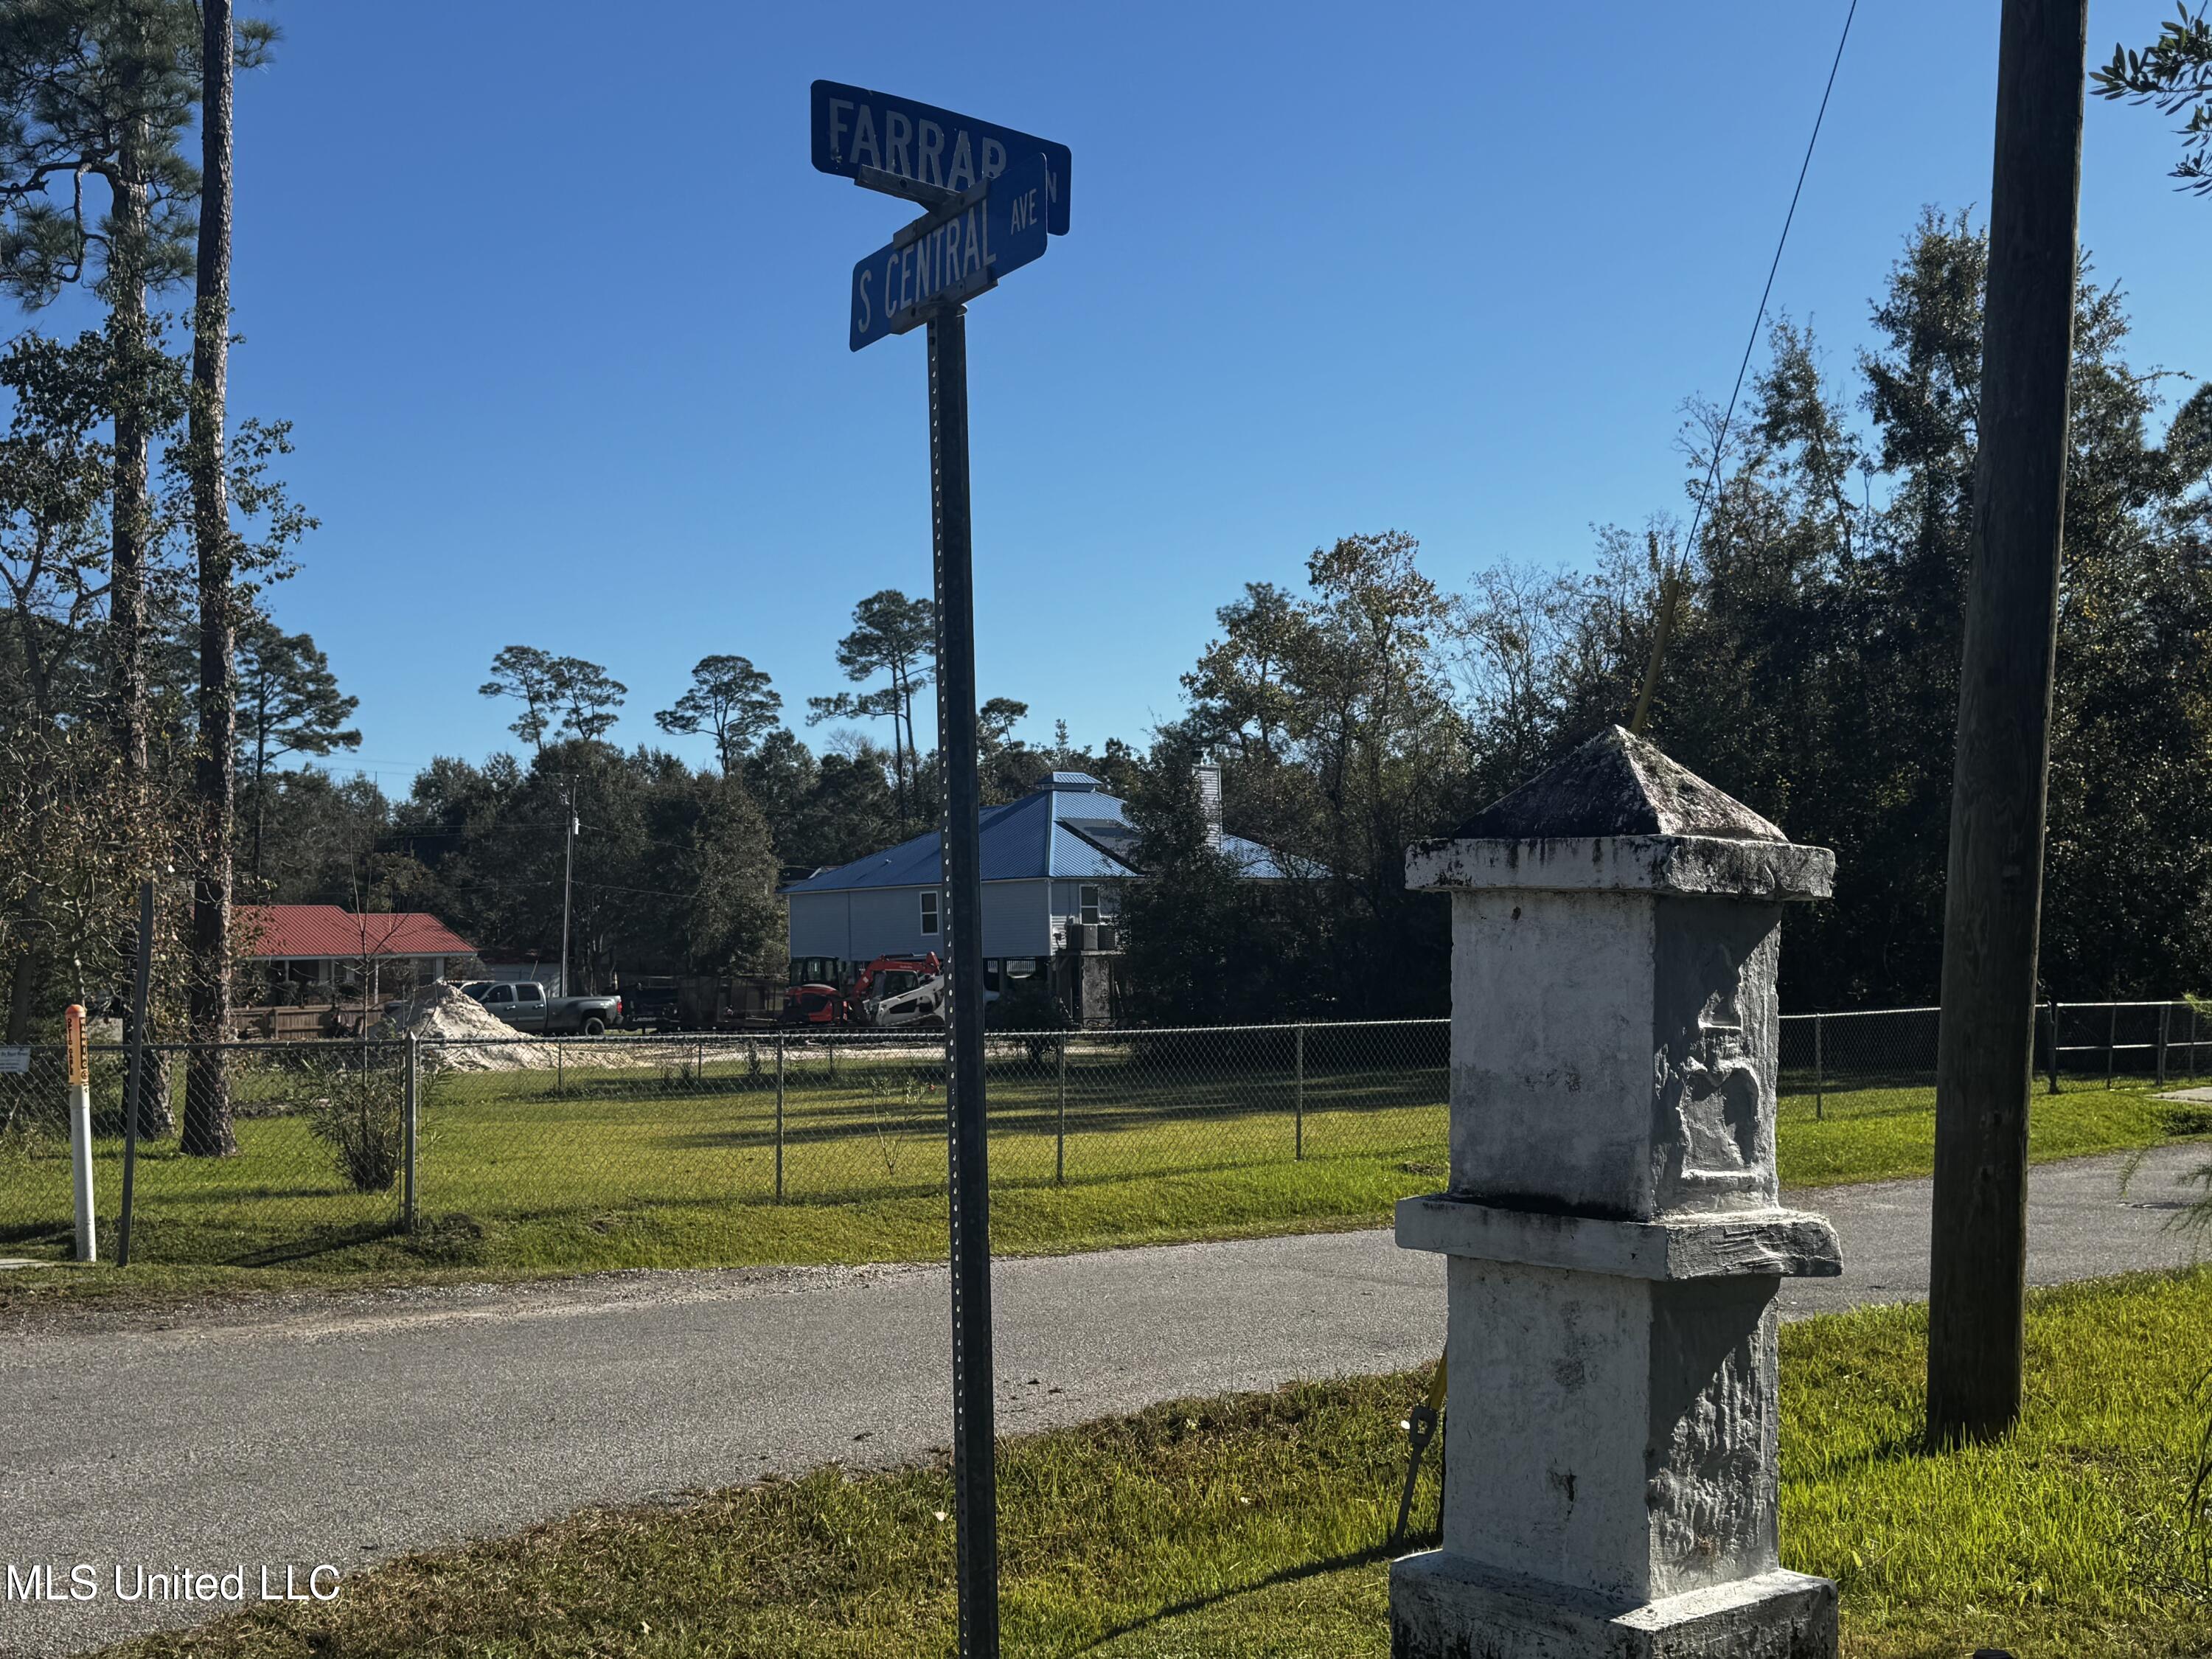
(1081, 937)
(1109, 937)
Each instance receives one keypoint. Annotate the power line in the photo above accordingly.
(1720, 443)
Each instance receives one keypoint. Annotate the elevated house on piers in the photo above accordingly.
(1056, 863)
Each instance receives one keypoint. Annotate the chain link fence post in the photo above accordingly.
(2053, 1006)
(1298, 1109)
(2111, 1042)
(1819, 1079)
(411, 1130)
(1059, 1137)
(2164, 1023)
(779, 1117)
(2192, 1043)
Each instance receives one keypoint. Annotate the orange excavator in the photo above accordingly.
(888, 994)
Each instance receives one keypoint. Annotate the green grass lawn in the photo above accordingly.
(1254, 1526)
(673, 1165)
(1885, 1134)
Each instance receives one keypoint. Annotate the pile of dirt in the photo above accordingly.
(475, 1039)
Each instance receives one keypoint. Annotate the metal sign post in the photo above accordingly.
(975, 1475)
(993, 195)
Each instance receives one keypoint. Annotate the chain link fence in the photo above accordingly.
(687, 1151)
(1883, 1059)
(568, 1142)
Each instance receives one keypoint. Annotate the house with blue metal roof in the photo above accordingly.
(1053, 865)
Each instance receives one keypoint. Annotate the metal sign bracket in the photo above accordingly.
(942, 304)
(898, 183)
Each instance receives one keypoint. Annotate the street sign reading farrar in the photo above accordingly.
(857, 131)
(951, 254)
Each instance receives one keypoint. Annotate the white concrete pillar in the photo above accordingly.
(1614, 1225)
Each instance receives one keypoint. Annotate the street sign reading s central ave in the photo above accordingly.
(972, 244)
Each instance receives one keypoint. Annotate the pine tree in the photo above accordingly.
(288, 703)
(206, 1127)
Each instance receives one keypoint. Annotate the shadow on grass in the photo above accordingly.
(1270, 1126)
(217, 1197)
(1909, 1447)
(1143, 1098)
(1305, 1570)
(321, 1243)
(37, 1232)
(805, 1186)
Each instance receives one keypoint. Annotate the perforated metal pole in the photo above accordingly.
(2164, 1023)
(779, 1117)
(1060, 1138)
(974, 1480)
(1298, 1109)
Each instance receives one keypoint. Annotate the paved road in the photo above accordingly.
(352, 1429)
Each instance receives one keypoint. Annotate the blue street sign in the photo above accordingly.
(853, 128)
(965, 246)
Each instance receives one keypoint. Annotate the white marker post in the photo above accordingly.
(80, 1110)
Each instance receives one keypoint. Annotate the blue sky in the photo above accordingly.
(557, 306)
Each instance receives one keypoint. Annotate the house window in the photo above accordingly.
(1086, 899)
(929, 911)
(1020, 967)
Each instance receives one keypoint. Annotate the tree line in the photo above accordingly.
(1808, 641)
(1811, 637)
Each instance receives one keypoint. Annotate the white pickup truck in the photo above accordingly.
(524, 1005)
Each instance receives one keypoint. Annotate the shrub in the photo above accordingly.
(1029, 1006)
(360, 1117)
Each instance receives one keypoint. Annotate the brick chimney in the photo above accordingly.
(1209, 774)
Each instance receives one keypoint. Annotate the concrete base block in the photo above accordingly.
(1444, 1607)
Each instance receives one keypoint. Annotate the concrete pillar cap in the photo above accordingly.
(1618, 814)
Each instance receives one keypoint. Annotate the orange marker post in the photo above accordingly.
(80, 1117)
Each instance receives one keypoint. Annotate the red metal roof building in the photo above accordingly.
(312, 944)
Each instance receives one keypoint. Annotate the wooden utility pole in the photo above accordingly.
(1994, 899)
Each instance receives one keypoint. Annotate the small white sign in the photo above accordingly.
(15, 1060)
